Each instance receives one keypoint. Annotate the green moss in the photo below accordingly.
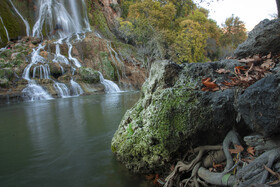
(6, 73)
(129, 129)
(98, 20)
(12, 22)
(6, 54)
(88, 75)
(4, 83)
(110, 71)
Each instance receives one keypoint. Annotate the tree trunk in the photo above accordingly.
(278, 7)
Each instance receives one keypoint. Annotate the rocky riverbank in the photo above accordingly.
(94, 53)
(186, 106)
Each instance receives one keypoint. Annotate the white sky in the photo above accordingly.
(249, 11)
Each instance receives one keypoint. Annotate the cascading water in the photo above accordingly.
(76, 88)
(56, 18)
(7, 33)
(62, 89)
(59, 57)
(110, 86)
(24, 20)
(112, 57)
(44, 71)
(118, 59)
(35, 58)
(33, 91)
(74, 60)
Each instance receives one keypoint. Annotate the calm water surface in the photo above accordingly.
(64, 142)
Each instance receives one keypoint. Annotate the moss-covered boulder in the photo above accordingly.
(4, 82)
(173, 114)
(56, 69)
(89, 75)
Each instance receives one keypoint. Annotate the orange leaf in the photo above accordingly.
(240, 68)
(209, 84)
(238, 149)
(205, 89)
(216, 166)
(251, 150)
(215, 89)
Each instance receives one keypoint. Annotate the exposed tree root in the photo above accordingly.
(243, 170)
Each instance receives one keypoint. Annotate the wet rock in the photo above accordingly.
(36, 41)
(259, 105)
(55, 70)
(263, 39)
(4, 82)
(44, 54)
(89, 75)
(172, 114)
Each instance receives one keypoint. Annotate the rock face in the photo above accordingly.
(259, 105)
(263, 39)
(172, 113)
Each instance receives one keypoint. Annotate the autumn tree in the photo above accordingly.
(234, 33)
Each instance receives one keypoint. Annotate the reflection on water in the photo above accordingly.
(63, 142)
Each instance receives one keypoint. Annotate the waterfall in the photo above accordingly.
(110, 86)
(75, 61)
(44, 71)
(112, 57)
(7, 33)
(75, 14)
(55, 17)
(116, 55)
(24, 20)
(62, 89)
(76, 88)
(59, 57)
(35, 92)
(35, 58)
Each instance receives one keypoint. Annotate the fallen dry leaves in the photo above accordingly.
(238, 149)
(254, 69)
(251, 150)
(209, 85)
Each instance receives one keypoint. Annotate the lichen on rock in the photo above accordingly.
(170, 115)
(89, 75)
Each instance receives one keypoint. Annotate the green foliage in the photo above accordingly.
(174, 29)
(234, 33)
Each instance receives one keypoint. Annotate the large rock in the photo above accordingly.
(263, 39)
(172, 114)
(89, 75)
(259, 105)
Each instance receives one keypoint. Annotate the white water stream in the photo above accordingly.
(24, 20)
(7, 33)
(68, 22)
(110, 86)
